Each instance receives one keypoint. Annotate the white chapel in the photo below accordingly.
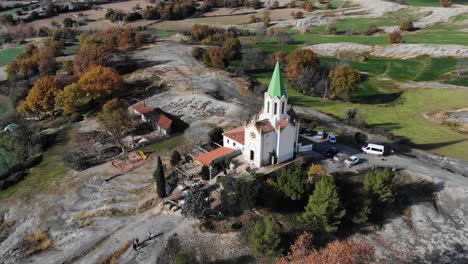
(271, 136)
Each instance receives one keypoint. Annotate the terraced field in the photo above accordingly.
(9, 54)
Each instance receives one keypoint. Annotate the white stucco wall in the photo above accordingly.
(286, 144)
(230, 143)
(269, 145)
(252, 144)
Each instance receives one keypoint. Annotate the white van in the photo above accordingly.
(373, 149)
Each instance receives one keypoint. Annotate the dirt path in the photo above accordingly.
(435, 85)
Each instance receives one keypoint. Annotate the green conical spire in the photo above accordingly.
(276, 87)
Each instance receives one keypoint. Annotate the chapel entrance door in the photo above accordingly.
(252, 155)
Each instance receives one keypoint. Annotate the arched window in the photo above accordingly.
(268, 107)
(275, 108)
(282, 108)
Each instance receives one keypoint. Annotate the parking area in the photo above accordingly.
(336, 163)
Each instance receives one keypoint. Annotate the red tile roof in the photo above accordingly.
(264, 126)
(142, 108)
(237, 134)
(283, 123)
(159, 119)
(208, 157)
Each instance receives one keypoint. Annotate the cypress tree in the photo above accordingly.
(175, 158)
(159, 179)
(323, 212)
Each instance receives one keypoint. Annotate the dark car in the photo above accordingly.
(330, 152)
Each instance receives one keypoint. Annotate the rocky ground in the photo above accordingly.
(90, 214)
(375, 8)
(194, 93)
(401, 51)
(434, 228)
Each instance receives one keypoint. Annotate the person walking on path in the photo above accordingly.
(134, 245)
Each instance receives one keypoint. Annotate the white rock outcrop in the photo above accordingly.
(401, 51)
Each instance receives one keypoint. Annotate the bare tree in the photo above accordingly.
(260, 33)
(284, 38)
(311, 81)
(254, 58)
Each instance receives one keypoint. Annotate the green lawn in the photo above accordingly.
(437, 37)
(432, 2)
(420, 37)
(403, 118)
(425, 69)
(167, 144)
(9, 12)
(5, 156)
(70, 50)
(5, 105)
(8, 55)
(164, 33)
(44, 175)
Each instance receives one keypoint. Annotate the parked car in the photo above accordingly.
(331, 138)
(330, 152)
(353, 160)
(321, 134)
(308, 132)
(373, 149)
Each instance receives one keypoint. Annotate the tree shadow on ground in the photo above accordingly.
(386, 126)
(408, 191)
(404, 145)
(377, 99)
(132, 65)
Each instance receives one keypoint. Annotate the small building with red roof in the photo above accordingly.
(215, 159)
(156, 117)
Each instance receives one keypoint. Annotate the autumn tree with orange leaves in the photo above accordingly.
(41, 97)
(218, 57)
(338, 252)
(70, 98)
(92, 55)
(101, 82)
(301, 58)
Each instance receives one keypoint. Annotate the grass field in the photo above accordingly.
(164, 33)
(420, 37)
(9, 12)
(431, 2)
(426, 69)
(8, 55)
(44, 174)
(166, 144)
(402, 117)
(70, 50)
(5, 105)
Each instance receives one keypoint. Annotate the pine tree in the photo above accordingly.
(265, 237)
(159, 179)
(324, 212)
(293, 183)
(175, 158)
(378, 184)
